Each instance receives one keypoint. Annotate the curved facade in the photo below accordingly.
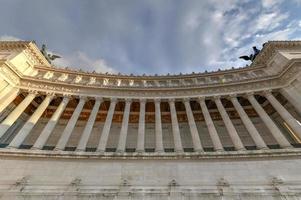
(232, 134)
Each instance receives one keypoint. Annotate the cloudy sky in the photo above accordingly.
(150, 36)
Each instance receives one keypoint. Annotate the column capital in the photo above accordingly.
(231, 96)
(201, 98)
(35, 92)
(186, 100)
(128, 100)
(249, 94)
(267, 92)
(216, 97)
(82, 97)
(96, 98)
(50, 94)
(157, 100)
(113, 100)
(142, 100)
(172, 100)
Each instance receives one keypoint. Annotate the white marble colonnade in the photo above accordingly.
(140, 147)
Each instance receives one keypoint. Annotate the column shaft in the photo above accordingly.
(229, 126)
(175, 127)
(70, 126)
(13, 116)
(293, 97)
(141, 128)
(8, 98)
(286, 116)
(217, 145)
(106, 128)
(158, 129)
(279, 137)
(31, 122)
(259, 142)
(124, 127)
(193, 129)
(40, 142)
(89, 126)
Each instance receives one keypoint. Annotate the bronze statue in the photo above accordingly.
(251, 56)
(49, 57)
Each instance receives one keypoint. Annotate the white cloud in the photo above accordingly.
(9, 38)
(83, 61)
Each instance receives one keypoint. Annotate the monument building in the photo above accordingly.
(228, 134)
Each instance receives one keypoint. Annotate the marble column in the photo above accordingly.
(229, 125)
(259, 142)
(279, 137)
(14, 115)
(197, 146)
(106, 128)
(124, 127)
(293, 97)
(158, 129)
(286, 116)
(31, 122)
(141, 127)
(46, 132)
(8, 99)
(175, 127)
(217, 145)
(70, 125)
(89, 126)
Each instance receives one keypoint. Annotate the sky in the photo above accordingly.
(150, 36)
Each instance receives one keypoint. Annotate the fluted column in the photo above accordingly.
(70, 126)
(141, 127)
(175, 126)
(286, 116)
(279, 137)
(217, 145)
(259, 142)
(106, 128)
(293, 97)
(43, 137)
(13, 116)
(159, 137)
(193, 129)
(89, 126)
(31, 122)
(8, 98)
(229, 126)
(124, 127)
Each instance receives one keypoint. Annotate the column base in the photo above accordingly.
(11, 147)
(263, 148)
(199, 151)
(35, 148)
(241, 149)
(159, 152)
(219, 150)
(140, 151)
(79, 150)
(119, 151)
(288, 147)
(57, 149)
(101, 152)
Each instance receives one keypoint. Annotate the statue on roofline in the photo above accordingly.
(49, 57)
(251, 57)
